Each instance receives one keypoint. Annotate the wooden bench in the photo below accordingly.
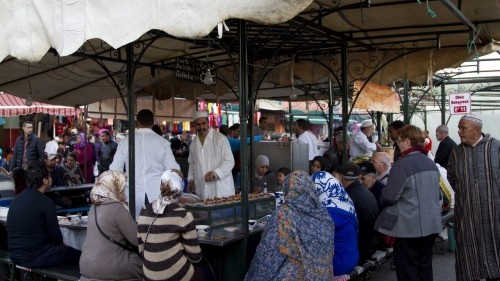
(376, 260)
(64, 272)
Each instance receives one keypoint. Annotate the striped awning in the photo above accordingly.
(12, 106)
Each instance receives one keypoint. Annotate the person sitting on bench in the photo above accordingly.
(34, 237)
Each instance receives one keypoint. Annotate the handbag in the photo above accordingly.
(133, 249)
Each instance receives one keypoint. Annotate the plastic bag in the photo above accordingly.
(96, 169)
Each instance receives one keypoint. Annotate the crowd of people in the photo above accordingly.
(334, 216)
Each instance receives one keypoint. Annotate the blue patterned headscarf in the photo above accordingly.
(331, 193)
(305, 229)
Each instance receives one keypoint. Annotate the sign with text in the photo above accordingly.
(459, 103)
(196, 71)
(376, 97)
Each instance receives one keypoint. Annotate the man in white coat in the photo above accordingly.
(153, 156)
(360, 145)
(210, 161)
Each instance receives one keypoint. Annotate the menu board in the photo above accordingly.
(194, 70)
(375, 97)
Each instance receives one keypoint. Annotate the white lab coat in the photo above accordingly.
(215, 155)
(309, 138)
(360, 145)
(153, 156)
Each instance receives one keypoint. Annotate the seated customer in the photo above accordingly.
(102, 259)
(69, 173)
(263, 175)
(366, 209)
(319, 164)
(341, 208)
(35, 239)
(167, 235)
(301, 218)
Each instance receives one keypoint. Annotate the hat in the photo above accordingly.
(367, 167)
(74, 131)
(51, 156)
(57, 139)
(473, 118)
(366, 123)
(350, 171)
(200, 114)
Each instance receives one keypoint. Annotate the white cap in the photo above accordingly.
(74, 131)
(200, 114)
(56, 139)
(473, 117)
(366, 123)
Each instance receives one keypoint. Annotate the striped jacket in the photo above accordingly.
(171, 246)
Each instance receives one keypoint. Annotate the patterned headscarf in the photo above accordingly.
(109, 185)
(170, 190)
(83, 142)
(331, 193)
(305, 229)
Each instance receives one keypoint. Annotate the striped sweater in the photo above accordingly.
(171, 246)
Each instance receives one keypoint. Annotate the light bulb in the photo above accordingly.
(29, 100)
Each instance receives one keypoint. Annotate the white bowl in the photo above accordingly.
(84, 219)
(202, 229)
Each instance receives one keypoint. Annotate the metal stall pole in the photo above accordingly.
(330, 111)
(131, 135)
(345, 100)
(443, 104)
(243, 86)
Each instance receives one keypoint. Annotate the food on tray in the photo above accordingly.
(227, 200)
(230, 228)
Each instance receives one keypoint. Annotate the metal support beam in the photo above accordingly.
(345, 102)
(244, 156)
(472, 27)
(443, 104)
(131, 132)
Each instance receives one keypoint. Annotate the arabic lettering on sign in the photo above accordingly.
(193, 70)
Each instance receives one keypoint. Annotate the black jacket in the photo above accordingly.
(34, 151)
(443, 152)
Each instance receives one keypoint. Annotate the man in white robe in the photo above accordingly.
(210, 161)
(153, 156)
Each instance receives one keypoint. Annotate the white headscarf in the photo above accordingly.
(260, 161)
(171, 183)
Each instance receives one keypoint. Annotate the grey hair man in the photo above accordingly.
(382, 163)
(446, 145)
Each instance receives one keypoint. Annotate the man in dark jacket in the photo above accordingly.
(445, 147)
(35, 239)
(28, 147)
(106, 152)
(366, 208)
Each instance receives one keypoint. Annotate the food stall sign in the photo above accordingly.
(196, 71)
(459, 103)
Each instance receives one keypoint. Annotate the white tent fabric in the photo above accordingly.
(32, 27)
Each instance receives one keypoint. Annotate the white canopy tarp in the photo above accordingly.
(32, 27)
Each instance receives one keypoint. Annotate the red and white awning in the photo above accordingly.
(12, 106)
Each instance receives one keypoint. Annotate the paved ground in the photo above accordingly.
(443, 267)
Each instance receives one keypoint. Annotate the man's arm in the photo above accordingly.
(120, 157)
(39, 149)
(227, 161)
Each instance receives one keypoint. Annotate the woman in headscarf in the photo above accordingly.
(69, 173)
(84, 156)
(341, 209)
(167, 235)
(109, 216)
(263, 176)
(297, 243)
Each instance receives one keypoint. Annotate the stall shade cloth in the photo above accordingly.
(12, 106)
(32, 27)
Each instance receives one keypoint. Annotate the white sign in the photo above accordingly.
(459, 103)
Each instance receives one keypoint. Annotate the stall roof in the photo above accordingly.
(13, 106)
(385, 40)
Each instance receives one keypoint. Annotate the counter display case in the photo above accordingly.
(229, 213)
